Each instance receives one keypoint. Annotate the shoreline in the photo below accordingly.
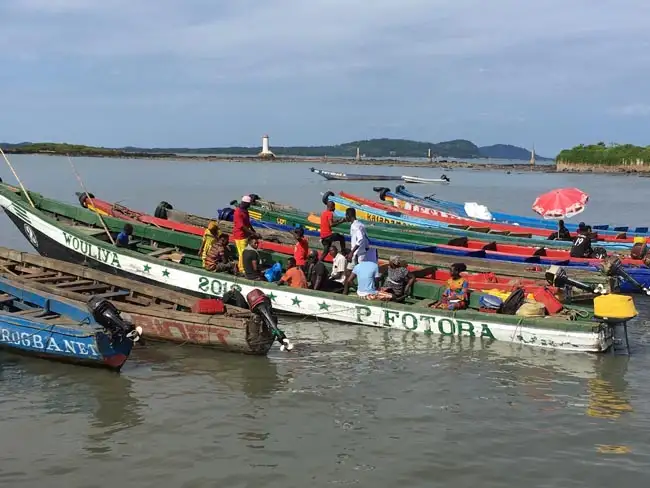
(559, 167)
(445, 164)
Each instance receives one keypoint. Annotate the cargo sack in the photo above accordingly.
(531, 309)
(545, 296)
(513, 302)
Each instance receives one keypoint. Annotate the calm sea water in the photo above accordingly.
(351, 406)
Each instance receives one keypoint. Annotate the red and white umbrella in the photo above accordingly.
(561, 203)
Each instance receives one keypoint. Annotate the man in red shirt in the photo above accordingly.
(301, 249)
(327, 237)
(242, 228)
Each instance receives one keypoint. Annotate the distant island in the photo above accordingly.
(601, 157)
(368, 149)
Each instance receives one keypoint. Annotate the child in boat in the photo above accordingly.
(122, 239)
(295, 276)
(456, 295)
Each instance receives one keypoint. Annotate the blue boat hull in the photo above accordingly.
(640, 274)
(506, 218)
(86, 344)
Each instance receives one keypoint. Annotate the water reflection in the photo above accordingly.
(256, 377)
(608, 397)
(105, 397)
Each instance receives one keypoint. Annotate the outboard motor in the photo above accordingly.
(556, 276)
(445, 178)
(260, 304)
(108, 316)
(612, 266)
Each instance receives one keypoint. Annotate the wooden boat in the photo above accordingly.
(331, 175)
(161, 314)
(42, 325)
(459, 209)
(443, 180)
(75, 234)
(420, 262)
(498, 250)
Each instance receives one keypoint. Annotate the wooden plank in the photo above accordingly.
(113, 294)
(74, 283)
(91, 231)
(43, 274)
(51, 279)
(159, 252)
(138, 300)
(30, 311)
(4, 298)
(93, 287)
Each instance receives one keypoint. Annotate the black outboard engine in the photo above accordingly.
(108, 316)
(445, 178)
(612, 266)
(260, 304)
(556, 276)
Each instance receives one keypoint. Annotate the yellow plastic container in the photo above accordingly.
(639, 240)
(614, 307)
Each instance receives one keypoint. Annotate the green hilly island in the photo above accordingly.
(372, 148)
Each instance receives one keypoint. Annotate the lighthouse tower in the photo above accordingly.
(266, 152)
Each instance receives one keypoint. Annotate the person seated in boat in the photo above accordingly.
(301, 249)
(339, 266)
(367, 275)
(210, 234)
(294, 276)
(398, 280)
(562, 233)
(218, 257)
(242, 228)
(456, 295)
(327, 236)
(581, 247)
(122, 239)
(318, 276)
(359, 242)
(251, 260)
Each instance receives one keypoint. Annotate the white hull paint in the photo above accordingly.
(416, 179)
(314, 304)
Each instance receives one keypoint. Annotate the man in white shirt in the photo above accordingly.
(339, 265)
(358, 238)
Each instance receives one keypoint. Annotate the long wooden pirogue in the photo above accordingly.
(163, 314)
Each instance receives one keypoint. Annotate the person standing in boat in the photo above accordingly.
(327, 236)
(242, 228)
(301, 249)
(359, 242)
(218, 259)
(209, 236)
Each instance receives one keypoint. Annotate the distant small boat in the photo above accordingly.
(40, 324)
(330, 175)
(443, 180)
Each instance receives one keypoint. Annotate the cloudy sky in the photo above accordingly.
(223, 72)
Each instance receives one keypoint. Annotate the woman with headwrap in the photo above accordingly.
(456, 295)
(209, 235)
(398, 280)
